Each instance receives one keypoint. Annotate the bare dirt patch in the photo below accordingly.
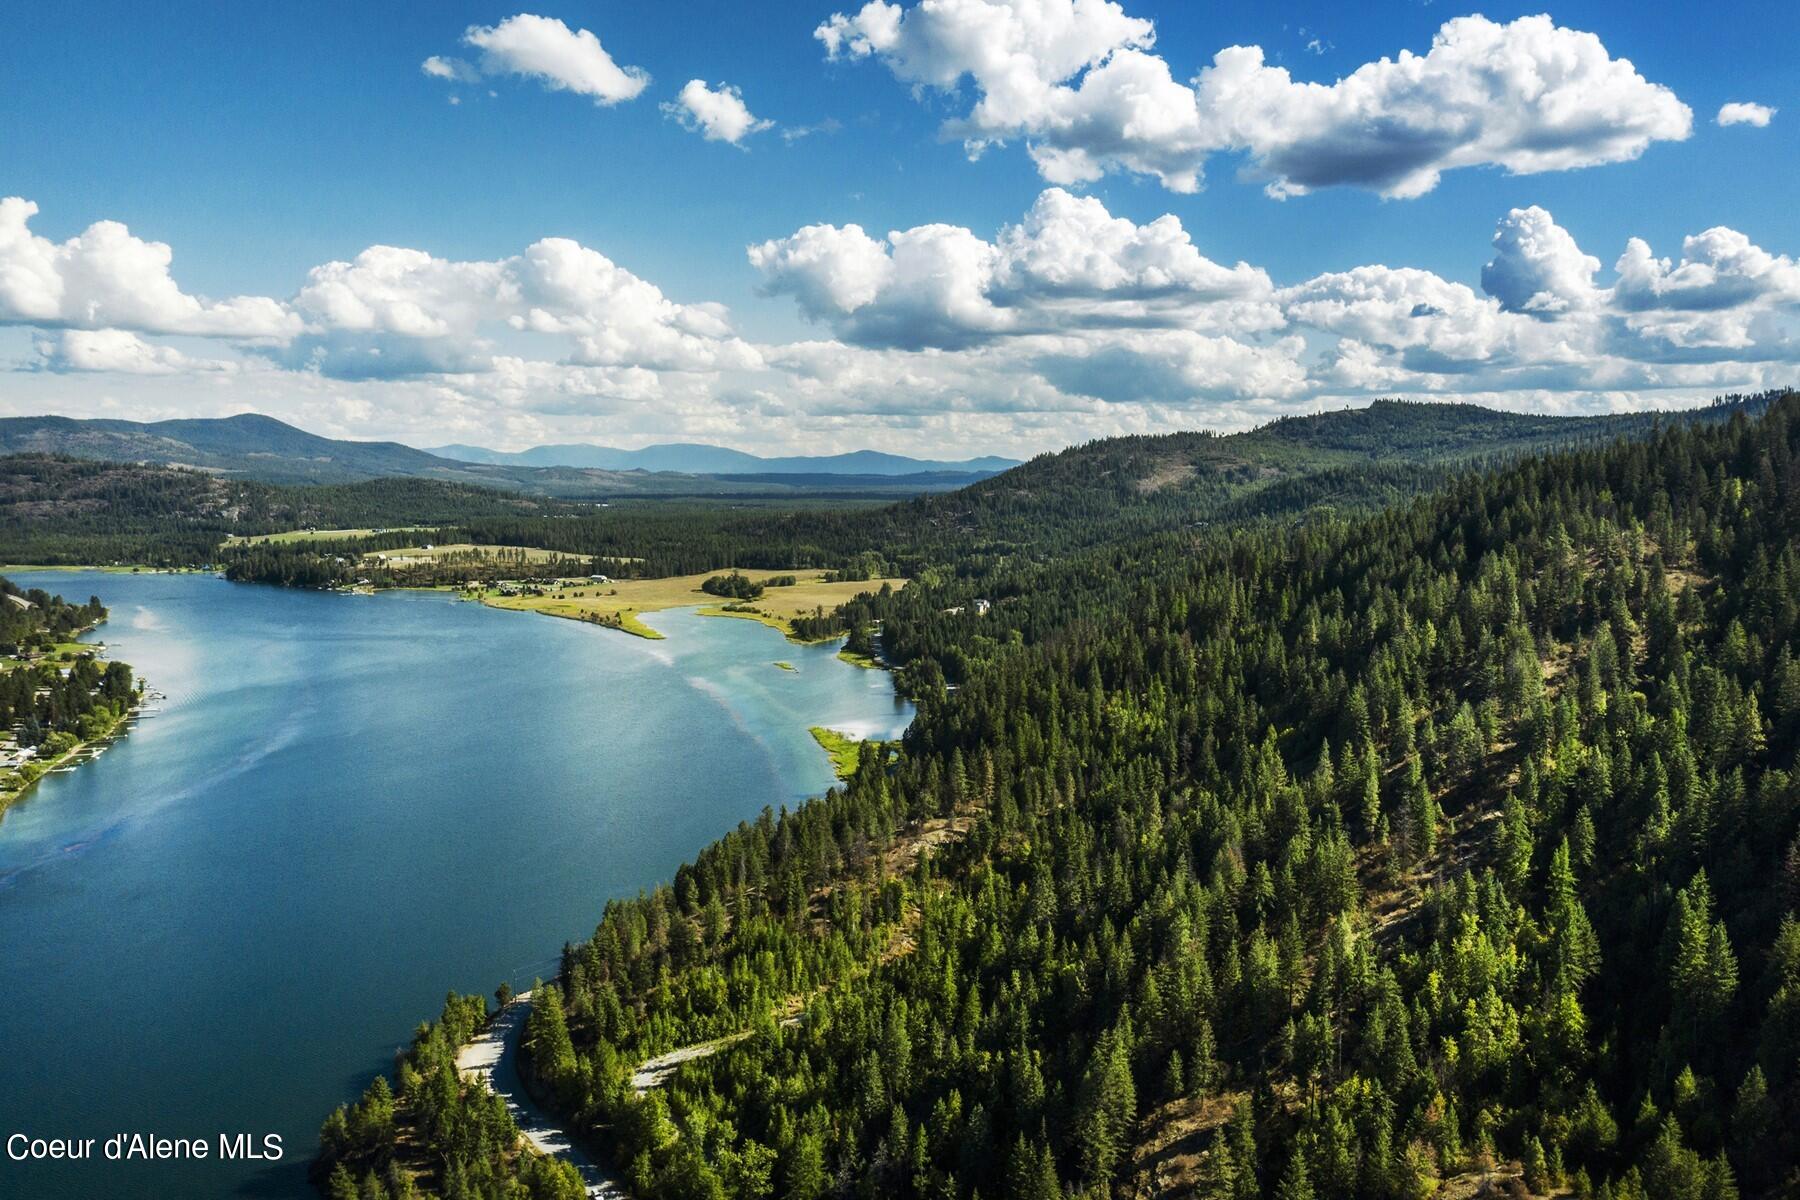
(1165, 475)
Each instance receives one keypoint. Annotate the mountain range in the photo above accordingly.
(249, 446)
(693, 458)
(125, 504)
(1350, 456)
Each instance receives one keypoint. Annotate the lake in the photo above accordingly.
(348, 805)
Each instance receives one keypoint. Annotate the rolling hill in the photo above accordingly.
(62, 510)
(256, 446)
(1347, 458)
(249, 446)
(1090, 494)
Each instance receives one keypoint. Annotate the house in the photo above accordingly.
(18, 602)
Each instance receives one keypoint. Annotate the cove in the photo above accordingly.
(346, 806)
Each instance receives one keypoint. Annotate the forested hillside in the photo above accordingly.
(1102, 493)
(253, 447)
(1353, 856)
(1351, 458)
(58, 511)
(256, 447)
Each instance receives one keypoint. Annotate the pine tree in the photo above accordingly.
(1107, 1107)
(1371, 794)
(1753, 1119)
(803, 1169)
(1296, 1181)
(1536, 1171)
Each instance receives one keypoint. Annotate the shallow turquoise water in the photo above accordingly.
(348, 805)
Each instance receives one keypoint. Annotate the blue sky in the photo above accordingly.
(262, 141)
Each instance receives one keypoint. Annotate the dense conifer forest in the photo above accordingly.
(64, 511)
(1104, 492)
(1354, 854)
(67, 511)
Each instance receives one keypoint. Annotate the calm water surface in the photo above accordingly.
(346, 806)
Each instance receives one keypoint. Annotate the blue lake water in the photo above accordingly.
(346, 806)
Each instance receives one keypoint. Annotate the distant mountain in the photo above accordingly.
(254, 446)
(694, 458)
(270, 451)
(1293, 462)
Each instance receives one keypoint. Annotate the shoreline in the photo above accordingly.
(108, 568)
(119, 728)
(491, 1058)
(622, 604)
(33, 772)
(627, 620)
(780, 624)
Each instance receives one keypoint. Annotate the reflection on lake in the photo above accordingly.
(345, 807)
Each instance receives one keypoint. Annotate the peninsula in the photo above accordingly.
(799, 608)
(57, 699)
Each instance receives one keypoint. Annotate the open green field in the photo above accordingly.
(61, 654)
(413, 555)
(317, 535)
(619, 603)
(845, 752)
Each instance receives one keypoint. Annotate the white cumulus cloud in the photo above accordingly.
(455, 70)
(1742, 112)
(544, 49)
(104, 277)
(1080, 83)
(1725, 294)
(1070, 323)
(397, 312)
(717, 114)
(1719, 269)
(121, 351)
(1068, 264)
(1528, 96)
(831, 270)
(1537, 267)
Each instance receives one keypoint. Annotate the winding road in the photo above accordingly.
(493, 1058)
(656, 1071)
